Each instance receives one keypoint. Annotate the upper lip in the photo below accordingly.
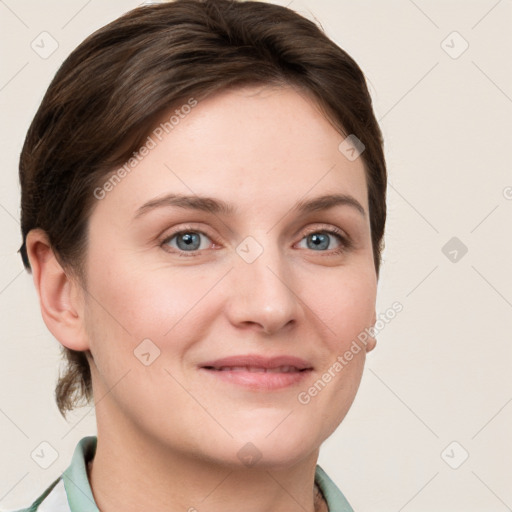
(257, 361)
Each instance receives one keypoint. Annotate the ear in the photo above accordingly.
(371, 342)
(60, 295)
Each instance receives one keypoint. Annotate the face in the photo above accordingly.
(221, 322)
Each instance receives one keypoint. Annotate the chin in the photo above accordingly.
(259, 456)
(276, 448)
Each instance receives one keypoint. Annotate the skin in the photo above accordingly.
(169, 433)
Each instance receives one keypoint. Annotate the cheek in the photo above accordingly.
(145, 303)
(345, 304)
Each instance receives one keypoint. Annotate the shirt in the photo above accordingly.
(71, 492)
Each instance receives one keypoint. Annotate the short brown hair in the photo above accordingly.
(106, 96)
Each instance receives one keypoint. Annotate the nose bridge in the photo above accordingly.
(263, 289)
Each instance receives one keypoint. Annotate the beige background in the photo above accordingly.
(442, 368)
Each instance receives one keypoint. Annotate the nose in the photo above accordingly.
(262, 293)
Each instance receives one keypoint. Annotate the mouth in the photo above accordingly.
(256, 369)
(259, 373)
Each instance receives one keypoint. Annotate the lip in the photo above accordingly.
(259, 372)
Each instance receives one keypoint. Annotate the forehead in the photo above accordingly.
(245, 146)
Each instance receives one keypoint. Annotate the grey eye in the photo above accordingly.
(186, 240)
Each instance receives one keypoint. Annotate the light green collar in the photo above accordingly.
(76, 483)
(81, 499)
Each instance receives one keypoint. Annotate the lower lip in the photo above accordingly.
(260, 381)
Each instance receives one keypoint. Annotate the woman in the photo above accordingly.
(203, 209)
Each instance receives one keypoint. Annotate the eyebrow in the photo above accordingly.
(218, 206)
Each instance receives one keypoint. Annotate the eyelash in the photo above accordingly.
(345, 242)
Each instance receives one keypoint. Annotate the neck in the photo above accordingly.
(130, 473)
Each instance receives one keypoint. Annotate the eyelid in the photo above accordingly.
(345, 240)
(325, 227)
(184, 228)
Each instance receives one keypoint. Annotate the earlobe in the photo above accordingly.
(60, 295)
(371, 342)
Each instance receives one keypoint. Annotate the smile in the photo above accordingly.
(258, 373)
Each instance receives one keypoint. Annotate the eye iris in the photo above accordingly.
(189, 241)
(319, 240)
